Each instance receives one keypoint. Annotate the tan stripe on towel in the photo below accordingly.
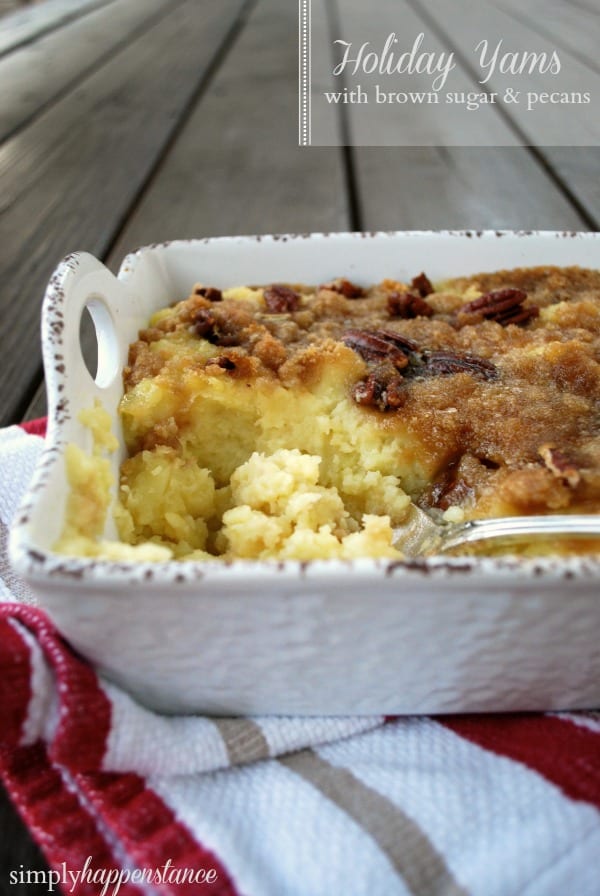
(243, 738)
(407, 847)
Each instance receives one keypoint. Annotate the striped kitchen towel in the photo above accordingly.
(123, 800)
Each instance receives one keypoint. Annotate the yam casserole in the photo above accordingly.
(296, 422)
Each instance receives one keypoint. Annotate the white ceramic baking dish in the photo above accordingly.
(436, 635)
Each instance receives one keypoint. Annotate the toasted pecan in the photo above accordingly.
(407, 305)
(382, 388)
(214, 328)
(378, 345)
(441, 363)
(505, 306)
(345, 288)
(209, 292)
(280, 299)
(422, 284)
(560, 465)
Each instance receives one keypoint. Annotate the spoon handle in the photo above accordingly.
(520, 527)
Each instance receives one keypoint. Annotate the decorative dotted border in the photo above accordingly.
(304, 68)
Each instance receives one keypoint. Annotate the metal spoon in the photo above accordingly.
(423, 536)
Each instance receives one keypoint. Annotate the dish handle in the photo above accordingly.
(82, 282)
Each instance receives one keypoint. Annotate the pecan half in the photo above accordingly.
(209, 292)
(448, 488)
(422, 284)
(560, 465)
(382, 389)
(378, 345)
(505, 306)
(408, 305)
(345, 288)
(204, 323)
(209, 326)
(281, 299)
(442, 363)
(402, 342)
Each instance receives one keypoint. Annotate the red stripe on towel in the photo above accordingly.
(140, 820)
(15, 682)
(35, 427)
(566, 754)
(151, 834)
(64, 830)
(85, 710)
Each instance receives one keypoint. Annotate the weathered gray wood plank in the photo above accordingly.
(573, 27)
(576, 27)
(24, 25)
(574, 170)
(68, 180)
(473, 188)
(236, 167)
(589, 5)
(34, 75)
(465, 24)
(440, 186)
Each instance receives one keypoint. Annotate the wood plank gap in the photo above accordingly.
(98, 63)
(536, 152)
(332, 16)
(221, 54)
(54, 26)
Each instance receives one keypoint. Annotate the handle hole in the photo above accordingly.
(98, 342)
(88, 342)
